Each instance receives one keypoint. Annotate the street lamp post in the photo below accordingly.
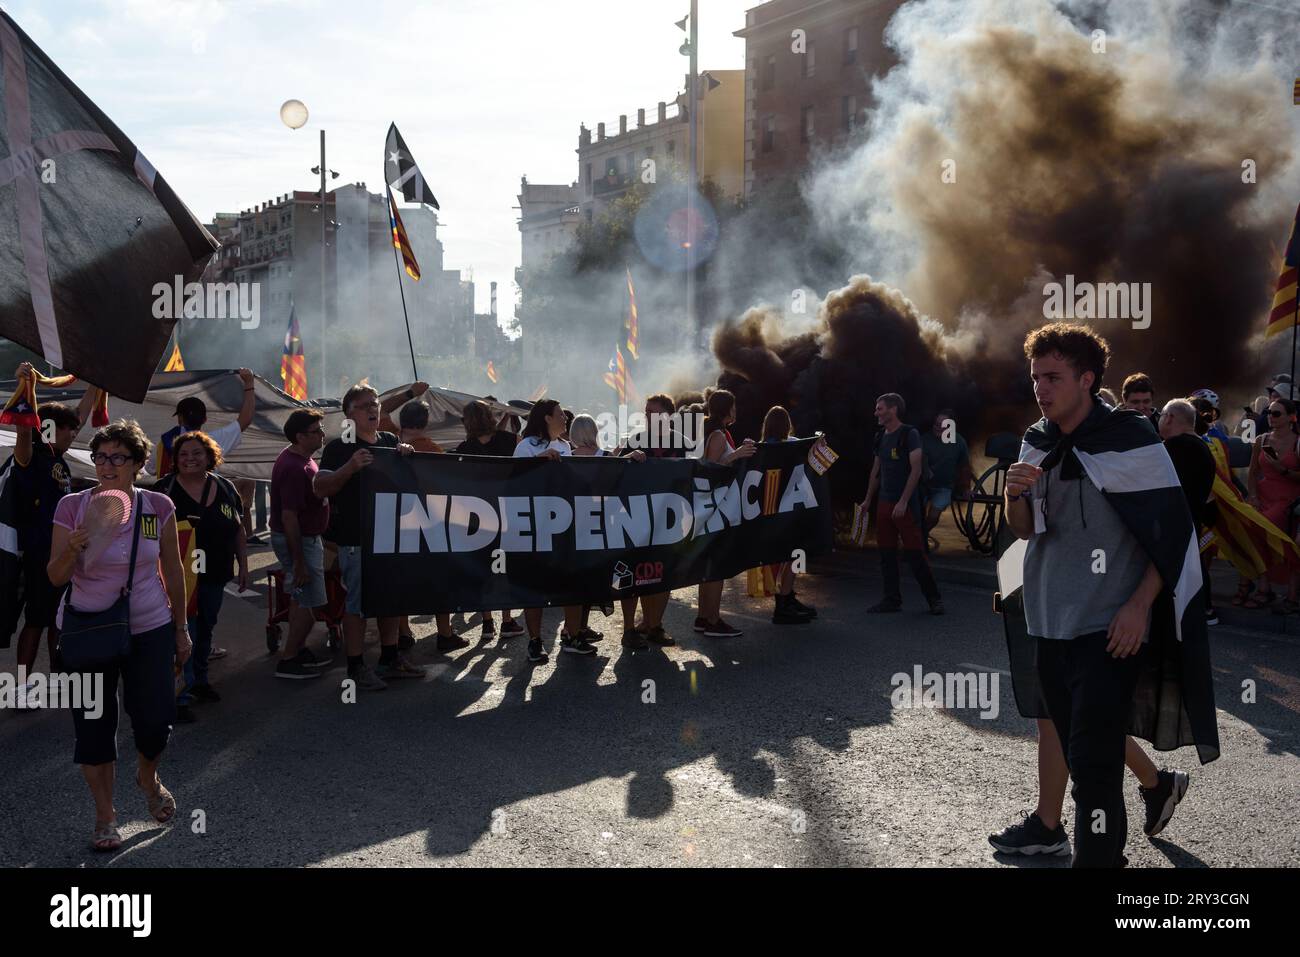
(294, 115)
(692, 105)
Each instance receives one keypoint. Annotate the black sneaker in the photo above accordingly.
(536, 652)
(406, 641)
(511, 629)
(634, 640)
(700, 624)
(799, 606)
(1031, 836)
(489, 631)
(884, 607)
(785, 613)
(452, 642)
(1161, 800)
(657, 636)
(205, 692)
(577, 646)
(720, 629)
(184, 714)
(309, 659)
(591, 634)
(1211, 616)
(936, 607)
(295, 670)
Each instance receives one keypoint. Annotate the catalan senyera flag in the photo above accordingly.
(1282, 316)
(491, 371)
(616, 377)
(401, 240)
(632, 332)
(187, 541)
(175, 363)
(293, 364)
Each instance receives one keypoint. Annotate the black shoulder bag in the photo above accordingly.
(91, 640)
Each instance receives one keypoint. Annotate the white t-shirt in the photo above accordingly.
(532, 447)
(226, 436)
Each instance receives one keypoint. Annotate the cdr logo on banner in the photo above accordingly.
(74, 911)
(646, 573)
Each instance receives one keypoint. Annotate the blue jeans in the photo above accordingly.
(201, 627)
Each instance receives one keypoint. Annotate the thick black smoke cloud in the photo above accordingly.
(1121, 163)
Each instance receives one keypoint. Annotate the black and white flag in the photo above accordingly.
(401, 172)
(87, 229)
(1119, 452)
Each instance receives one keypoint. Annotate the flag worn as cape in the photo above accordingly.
(1241, 533)
(1119, 452)
(87, 229)
(402, 173)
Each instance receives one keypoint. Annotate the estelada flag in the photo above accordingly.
(402, 241)
(188, 541)
(1282, 316)
(79, 260)
(632, 331)
(22, 407)
(175, 363)
(491, 371)
(616, 376)
(293, 364)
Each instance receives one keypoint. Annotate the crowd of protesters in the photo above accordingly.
(315, 520)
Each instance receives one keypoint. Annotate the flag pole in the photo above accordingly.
(1295, 321)
(400, 288)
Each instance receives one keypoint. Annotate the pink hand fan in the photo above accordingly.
(107, 512)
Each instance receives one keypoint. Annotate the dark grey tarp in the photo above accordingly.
(223, 393)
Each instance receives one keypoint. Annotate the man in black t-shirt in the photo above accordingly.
(338, 480)
(896, 476)
(42, 477)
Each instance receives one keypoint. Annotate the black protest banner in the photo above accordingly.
(448, 533)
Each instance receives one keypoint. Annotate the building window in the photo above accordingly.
(769, 134)
(851, 45)
(806, 125)
(810, 61)
(769, 74)
(849, 112)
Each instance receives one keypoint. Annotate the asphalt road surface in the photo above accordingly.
(779, 748)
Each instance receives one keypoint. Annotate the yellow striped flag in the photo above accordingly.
(1282, 316)
(491, 371)
(293, 364)
(175, 363)
(1295, 93)
(616, 377)
(632, 331)
(401, 241)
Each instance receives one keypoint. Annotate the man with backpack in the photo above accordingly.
(896, 475)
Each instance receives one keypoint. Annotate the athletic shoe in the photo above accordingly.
(936, 607)
(1211, 616)
(489, 631)
(634, 640)
(1161, 800)
(720, 629)
(799, 606)
(367, 680)
(294, 670)
(701, 624)
(577, 646)
(511, 629)
(29, 696)
(405, 641)
(308, 659)
(205, 692)
(591, 634)
(1031, 836)
(657, 636)
(400, 667)
(184, 715)
(784, 612)
(884, 607)
(217, 653)
(537, 652)
(452, 642)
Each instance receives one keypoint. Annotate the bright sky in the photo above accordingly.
(483, 91)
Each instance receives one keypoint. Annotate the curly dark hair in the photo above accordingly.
(1076, 344)
(207, 441)
(128, 434)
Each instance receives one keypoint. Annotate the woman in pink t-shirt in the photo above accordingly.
(96, 557)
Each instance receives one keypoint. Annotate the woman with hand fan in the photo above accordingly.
(213, 510)
(117, 543)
